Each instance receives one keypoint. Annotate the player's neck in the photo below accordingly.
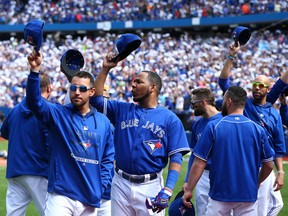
(210, 111)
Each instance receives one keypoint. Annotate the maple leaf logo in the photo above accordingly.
(153, 145)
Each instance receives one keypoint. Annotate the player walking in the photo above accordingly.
(203, 103)
(28, 161)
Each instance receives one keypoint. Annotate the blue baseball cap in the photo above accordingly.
(71, 62)
(33, 33)
(241, 34)
(126, 44)
(177, 207)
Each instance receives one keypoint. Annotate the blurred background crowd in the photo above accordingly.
(184, 59)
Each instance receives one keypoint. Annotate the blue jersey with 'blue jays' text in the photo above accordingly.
(236, 146)
(145, 137)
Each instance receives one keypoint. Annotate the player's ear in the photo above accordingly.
(154, 88)
(92, 92)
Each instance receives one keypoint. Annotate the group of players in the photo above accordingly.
(74, 146)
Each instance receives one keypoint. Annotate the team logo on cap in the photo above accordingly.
(153, 145)
(182, 210)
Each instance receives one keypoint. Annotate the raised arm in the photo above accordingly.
(232, 52)
(108, 63)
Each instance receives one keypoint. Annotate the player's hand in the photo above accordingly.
(233, 50)
(35, 60)
(110, 61)
(186, 198)
(162, 199)
(279, 182)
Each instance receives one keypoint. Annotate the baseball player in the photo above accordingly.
(259, 109)
(236, 146)
(81, 141)
(146, 137)
(203, 103)
(28, 162)
(105, 204)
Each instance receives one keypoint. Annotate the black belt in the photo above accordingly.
(136, 178)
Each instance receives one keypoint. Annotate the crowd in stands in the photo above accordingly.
(67, 11)
(184, 62)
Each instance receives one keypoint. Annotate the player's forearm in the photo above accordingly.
(265, 171)
(225, 73)
(278, 161)
(196, 171)
(173, 175)
(100, 80)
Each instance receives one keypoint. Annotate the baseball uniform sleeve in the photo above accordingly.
(177, 137)
(224, 84)
(267, 152)
(107, 163)
(278, 139)
(275, 91)
(284, 114)
(35, 101)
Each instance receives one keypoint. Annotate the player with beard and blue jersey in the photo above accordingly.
(203, 104)
(236, 146)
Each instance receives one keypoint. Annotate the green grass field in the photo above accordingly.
(33, 212)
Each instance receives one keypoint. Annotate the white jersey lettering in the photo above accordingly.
(129, 123)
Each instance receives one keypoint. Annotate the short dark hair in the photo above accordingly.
(44, 81)
(238, 95)
(205, 94)
(155, 79)
(85, 74)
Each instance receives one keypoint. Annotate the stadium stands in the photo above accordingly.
(66, 11)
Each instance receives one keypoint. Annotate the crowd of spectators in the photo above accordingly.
(184, 62)
(68, 11)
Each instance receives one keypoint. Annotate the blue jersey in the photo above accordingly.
(236, 146)
(267, 117)
(82, 148)
(145, 137)
(27, 143)
(197, 130)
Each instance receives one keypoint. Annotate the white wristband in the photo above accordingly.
(281, 171)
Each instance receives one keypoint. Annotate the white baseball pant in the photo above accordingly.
(270, 202)
(217, 208)
(22, 190)
(105, 208)
(201, 193)
(61, 205)
(128, 199)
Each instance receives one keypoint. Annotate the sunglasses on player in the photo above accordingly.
(81, 88)
(259, 84)
(194, 102)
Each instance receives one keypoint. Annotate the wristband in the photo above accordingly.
(281, 172)
(172, 178)
(231, 57)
